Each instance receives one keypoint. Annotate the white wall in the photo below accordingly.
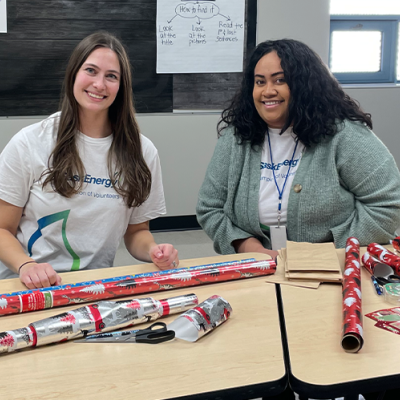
(186, 141)
(304, 20)
(384, 106)
(308, 21)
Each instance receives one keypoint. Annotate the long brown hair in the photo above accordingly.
(126, 166)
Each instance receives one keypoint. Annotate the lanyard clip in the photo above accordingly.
(279, 211)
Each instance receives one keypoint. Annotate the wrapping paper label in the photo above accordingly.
(36, 301)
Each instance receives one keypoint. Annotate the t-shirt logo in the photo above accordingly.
(48, 220)
(276, 167)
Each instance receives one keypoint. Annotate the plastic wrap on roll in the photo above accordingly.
(31, 300)
(202, 319)
(352, 339)
(103, 316)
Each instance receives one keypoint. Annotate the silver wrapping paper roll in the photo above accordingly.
(17, 339)
(103, 316)
(176, 305)
(202, 319)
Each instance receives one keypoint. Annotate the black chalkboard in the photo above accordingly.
(42, 34)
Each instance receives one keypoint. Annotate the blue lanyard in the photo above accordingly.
(280, 192)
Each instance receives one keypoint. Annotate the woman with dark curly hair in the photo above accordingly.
(73, 185)
(296, 159)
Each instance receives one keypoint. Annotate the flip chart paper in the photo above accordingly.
(200, 36)
(3, 16)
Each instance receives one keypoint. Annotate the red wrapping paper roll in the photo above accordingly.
(396, 243)
(385, 256)
(31, 301)
(369, 262)
(352, 339)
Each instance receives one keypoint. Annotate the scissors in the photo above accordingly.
(383, 280)
(384, 274)
(155, 333)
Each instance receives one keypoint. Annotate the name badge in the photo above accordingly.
(278, 236)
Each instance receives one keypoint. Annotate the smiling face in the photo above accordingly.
(271, 93)
(97, 81)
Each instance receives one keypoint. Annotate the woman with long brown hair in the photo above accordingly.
(73, 185)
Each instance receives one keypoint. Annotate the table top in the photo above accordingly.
(244, 355)
(319, 365)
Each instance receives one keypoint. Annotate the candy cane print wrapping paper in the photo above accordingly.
(352, 339)
(32, 300)
(103, 316)
(202, 319)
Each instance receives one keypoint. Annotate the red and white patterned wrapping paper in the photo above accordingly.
(111, 288)
(352, 339)
(103, 316)
(396, 243)
(384, 255)
(202, 319)
(369, 262)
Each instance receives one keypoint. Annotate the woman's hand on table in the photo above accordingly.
(252, 245)
(34, 275)
(164, 256)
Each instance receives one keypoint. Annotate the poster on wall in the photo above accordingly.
(200, 36)
(3, 16)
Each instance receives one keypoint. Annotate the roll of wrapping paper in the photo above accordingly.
(142, 275)
(202, 319)
(396, 243)
(103, 316)
(385, 256)
(42, 298)
(369, 262)
(352, 339)
(31, 300)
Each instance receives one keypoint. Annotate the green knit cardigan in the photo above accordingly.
(350, 187)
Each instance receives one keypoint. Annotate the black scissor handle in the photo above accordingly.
(381, 280)
(155, 337)
(156, 327)
(393, 278)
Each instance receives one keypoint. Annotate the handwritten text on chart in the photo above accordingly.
(197, 10)
(226, 30)
(200, 33)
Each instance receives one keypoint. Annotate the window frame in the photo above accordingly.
(389, 26)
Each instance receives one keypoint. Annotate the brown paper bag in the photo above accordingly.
(312, 257)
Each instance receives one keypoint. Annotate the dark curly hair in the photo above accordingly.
(317, 102)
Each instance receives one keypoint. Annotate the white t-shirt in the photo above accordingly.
(83, 231)
(282, 152)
